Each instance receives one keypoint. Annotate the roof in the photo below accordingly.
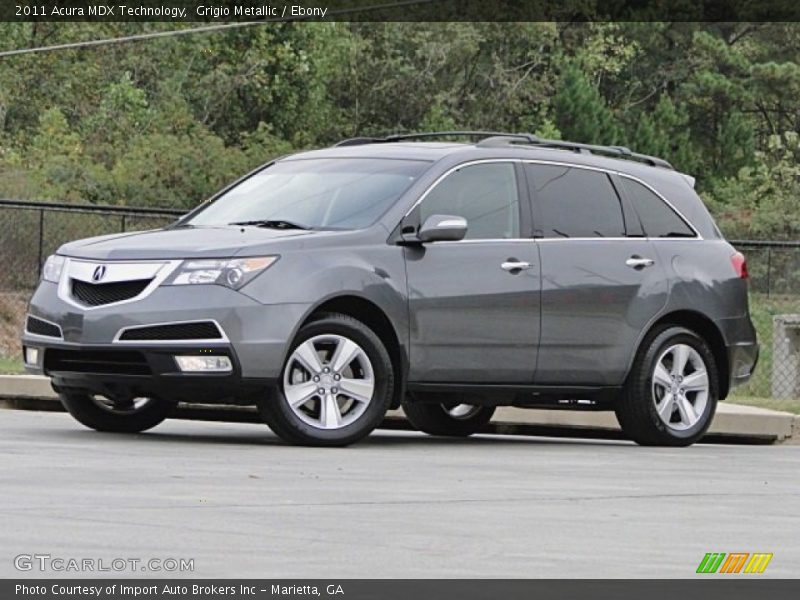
(429, 151)
(434, 151)
(404, 146)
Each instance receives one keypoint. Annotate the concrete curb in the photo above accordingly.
(733, 423)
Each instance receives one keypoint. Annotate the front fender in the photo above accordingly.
(315, 277)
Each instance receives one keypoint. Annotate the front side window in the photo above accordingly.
(575, 202)
(658, 219)
(484, 194)
(330, 193)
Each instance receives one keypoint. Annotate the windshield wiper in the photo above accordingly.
(272, 224)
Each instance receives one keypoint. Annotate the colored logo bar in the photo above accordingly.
(735, 562)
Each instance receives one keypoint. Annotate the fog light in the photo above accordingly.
(31, 356)
(205, 364)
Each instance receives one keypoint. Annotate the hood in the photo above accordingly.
(190, 242)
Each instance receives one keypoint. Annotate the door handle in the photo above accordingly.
(512, 265)
(637, 262)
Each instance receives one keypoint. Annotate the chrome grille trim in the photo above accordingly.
(117, 271)
(223, 339)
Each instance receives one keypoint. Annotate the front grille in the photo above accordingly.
(204, 330)
(40, 327)
(115, 362)
(98, 294)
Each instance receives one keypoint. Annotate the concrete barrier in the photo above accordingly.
(733, 423)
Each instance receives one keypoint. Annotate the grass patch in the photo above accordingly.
(10, 366)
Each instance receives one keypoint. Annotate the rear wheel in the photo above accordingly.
(453, 419)
(116, 414)
(671, 394)
(336, 385)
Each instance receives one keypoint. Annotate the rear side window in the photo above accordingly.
(484, 194)
(575, 203)
(658, 218)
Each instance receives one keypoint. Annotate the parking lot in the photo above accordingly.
(241, 503)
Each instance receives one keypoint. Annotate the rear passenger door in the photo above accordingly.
(602, 282)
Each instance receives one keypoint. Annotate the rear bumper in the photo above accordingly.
(742, 349)
(742, 359)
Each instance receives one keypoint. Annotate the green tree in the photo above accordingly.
(763, 201)
(581, 113)
(665, 132)
(56, 158)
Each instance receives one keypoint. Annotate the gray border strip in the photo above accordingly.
(700, 587)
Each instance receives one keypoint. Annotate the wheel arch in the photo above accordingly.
(377, 319)
(707, 330)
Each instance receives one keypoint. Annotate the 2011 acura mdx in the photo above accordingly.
(329, 286)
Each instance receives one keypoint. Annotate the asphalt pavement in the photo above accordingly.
(240, 503)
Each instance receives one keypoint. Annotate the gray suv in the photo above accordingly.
(330, 286)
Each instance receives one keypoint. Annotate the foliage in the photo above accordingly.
(763, 201)
(168, 121)
(581, 112)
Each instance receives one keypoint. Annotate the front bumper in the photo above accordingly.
(255, 337)
(142, 371)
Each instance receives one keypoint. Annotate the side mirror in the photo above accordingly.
(442, 228)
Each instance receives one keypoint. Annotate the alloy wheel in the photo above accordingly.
(328, 381)
(680, 387)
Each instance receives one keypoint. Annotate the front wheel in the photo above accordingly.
(671, 394)
(453, 419)
(116, 414)
(336, 385)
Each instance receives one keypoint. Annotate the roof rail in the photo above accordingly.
(358, 141)
(399, 137)
(497, 139)
(435, 134)
(613, 151)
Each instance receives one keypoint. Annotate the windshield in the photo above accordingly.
(330, 193)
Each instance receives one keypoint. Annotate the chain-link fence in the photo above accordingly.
(774, 266)
(774, 269)
(30, 231)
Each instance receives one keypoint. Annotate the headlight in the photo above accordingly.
(233, 273)
(51, 271)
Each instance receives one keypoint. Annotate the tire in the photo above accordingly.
(333, 418)
(97, 412)
(450, 419)
(669, 405)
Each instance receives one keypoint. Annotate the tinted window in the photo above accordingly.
(330, 193)
(485, 195)
(575, 202)
(658, 219)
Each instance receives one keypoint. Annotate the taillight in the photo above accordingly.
(740, 265)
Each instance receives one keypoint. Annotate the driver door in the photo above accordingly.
(474, 304)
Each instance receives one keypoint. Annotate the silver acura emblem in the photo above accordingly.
(99, 273)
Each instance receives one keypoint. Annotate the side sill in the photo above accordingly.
(522, 395)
